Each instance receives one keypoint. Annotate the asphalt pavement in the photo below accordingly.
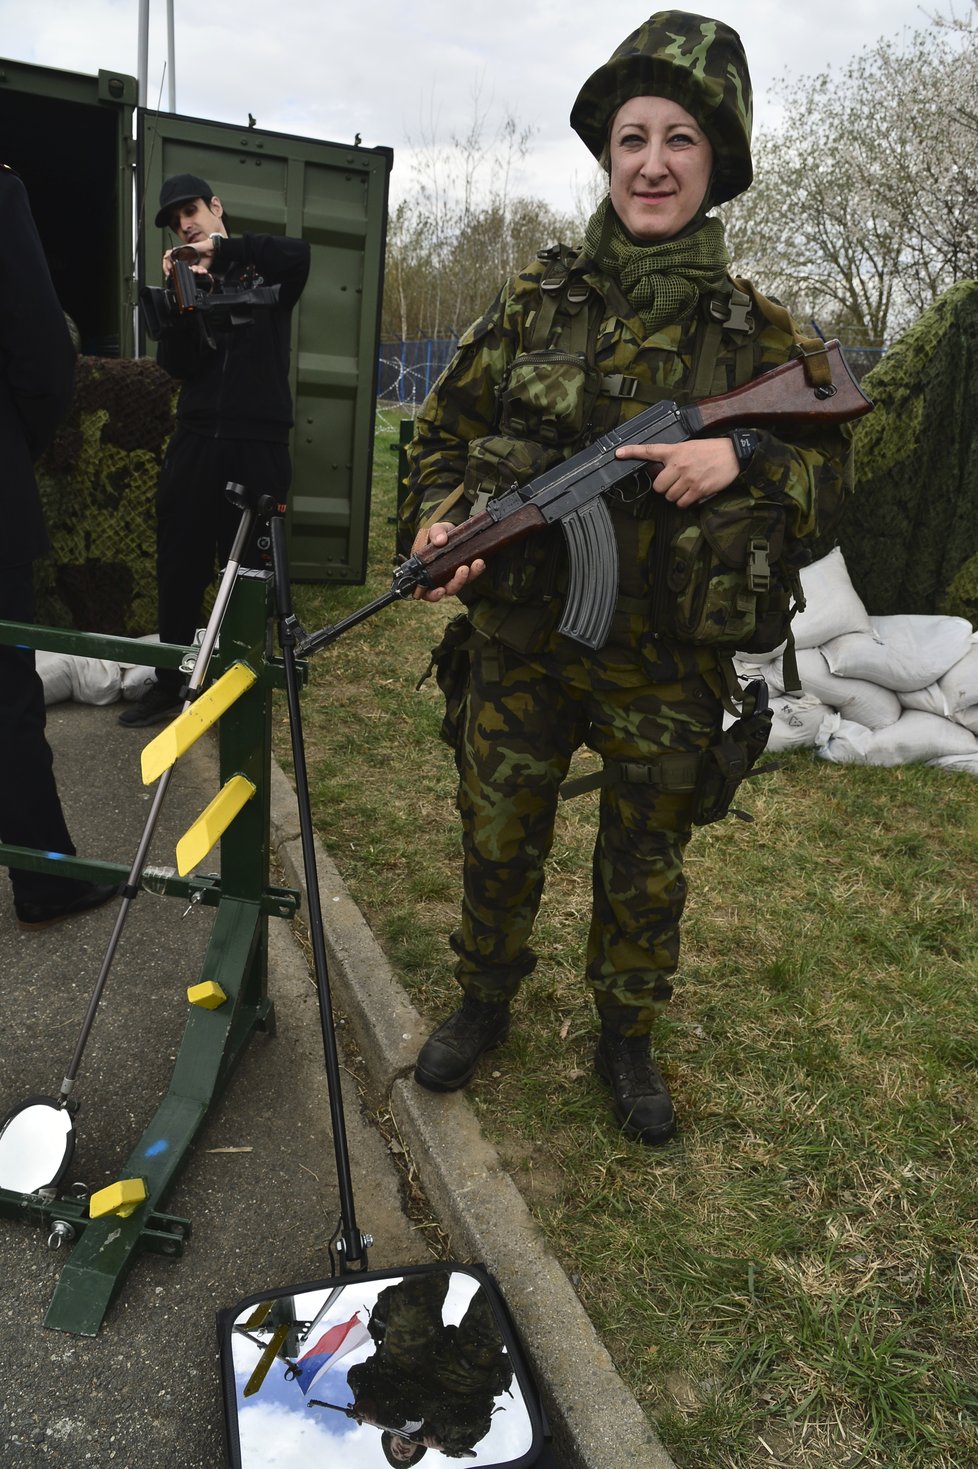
(259, 1186)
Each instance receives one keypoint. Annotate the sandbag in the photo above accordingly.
(930, 700)
(73, 676)
(796, 722)
(903, 652)
(832, 604)
(55, 675)
(856, 699)
(960, 684)
(965, 764)
(914, 737)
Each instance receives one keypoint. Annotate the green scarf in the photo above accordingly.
(662, 280)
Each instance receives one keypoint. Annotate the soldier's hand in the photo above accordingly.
(688, 472)
(437, 535)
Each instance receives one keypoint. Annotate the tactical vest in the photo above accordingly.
(725, 572)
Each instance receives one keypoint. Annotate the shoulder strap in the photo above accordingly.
(727, 310)
(559, 320)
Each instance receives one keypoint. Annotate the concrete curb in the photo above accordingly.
(596, 1421)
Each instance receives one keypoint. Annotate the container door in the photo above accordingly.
(70, 138)
(336, 198)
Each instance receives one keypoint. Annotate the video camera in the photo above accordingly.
(190, 293)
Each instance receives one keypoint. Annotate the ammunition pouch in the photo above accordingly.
(548, 396)
(527, 571)
(719, 575)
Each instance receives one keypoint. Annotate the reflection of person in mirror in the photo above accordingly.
(429, 1385)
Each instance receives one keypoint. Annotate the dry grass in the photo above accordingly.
(794, 1280)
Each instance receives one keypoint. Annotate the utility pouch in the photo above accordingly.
(718, 574)
(724, 765)
(450, 665)
(548, 396)
(496, 465)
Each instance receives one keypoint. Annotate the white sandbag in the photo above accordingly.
(54, 674)
(137, 681)
(761, 659)
(842, 740)
(960, 684)
(915, 737)
(796, 722)
(968, 718)
(94, 680)
(930, 700)
(966, 764)
(856, 699)
(138, 678)
(905, 651)
(832, 604)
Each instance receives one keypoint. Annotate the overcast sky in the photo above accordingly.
(409, 73)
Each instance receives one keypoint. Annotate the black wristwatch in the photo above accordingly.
(744, 441)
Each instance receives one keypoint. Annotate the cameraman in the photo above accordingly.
(233, 415)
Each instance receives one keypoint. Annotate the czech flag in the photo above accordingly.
(339, 1341)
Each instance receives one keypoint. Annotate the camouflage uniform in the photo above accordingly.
(534, 697)
(441, 1380)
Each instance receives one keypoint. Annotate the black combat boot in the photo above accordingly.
(643, 1105)
(449, 1056)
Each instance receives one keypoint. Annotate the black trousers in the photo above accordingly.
(196, 524)
(30, 810)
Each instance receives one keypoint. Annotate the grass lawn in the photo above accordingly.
(793, 1280)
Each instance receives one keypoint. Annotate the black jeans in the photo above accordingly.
(30, 810)
(196, 523)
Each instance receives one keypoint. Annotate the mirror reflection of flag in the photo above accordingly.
(338, 1342)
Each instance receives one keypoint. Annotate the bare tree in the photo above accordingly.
(461, 231)
(866, 201)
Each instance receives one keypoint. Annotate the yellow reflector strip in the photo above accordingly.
(174, 741)
(272, 1348)
(197, 841)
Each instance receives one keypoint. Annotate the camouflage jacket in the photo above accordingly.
(464, 429)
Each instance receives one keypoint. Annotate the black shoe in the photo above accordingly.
(157, 706)
(643, 1105)
(39, 915)
(449, 1056)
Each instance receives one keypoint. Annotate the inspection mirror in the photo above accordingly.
(37, 1140)
(379, 1369)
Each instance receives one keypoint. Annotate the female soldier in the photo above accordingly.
(573, 345)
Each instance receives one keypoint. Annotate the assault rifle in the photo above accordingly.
(571, 493)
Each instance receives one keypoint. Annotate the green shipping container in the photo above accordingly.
(93, 163)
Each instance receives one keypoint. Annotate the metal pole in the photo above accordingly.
(170, 50)
(142, 59)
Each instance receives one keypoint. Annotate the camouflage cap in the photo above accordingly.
(697, 62)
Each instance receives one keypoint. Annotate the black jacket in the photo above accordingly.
(239, 388)
(37, 367)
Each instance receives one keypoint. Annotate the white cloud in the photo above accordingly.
(400, 74)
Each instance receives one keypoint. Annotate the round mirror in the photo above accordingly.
(37, 1140)
(375, 1371)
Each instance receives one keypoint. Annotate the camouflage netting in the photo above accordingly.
(97, 484)
(910, 532)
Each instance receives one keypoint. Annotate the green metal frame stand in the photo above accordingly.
(237, 957)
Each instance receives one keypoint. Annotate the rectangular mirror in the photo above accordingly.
(378, 1369)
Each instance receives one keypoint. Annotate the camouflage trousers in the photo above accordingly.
(523, 721)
